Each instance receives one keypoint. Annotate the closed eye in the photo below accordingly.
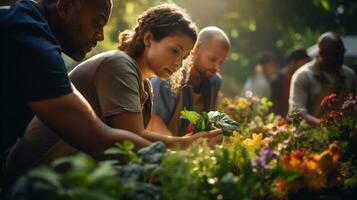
(175, 51)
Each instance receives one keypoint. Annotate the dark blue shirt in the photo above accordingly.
(32, 68)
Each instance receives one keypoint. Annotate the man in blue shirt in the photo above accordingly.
(33, 75)
(200, 94)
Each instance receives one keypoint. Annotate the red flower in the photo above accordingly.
(328, 101)
(331, 118)
(300, 154)
(189, 128)
(281, 123)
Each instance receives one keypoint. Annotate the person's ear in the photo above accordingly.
(196, 48)
(148, 38)
(66, 9)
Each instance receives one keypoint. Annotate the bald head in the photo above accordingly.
(210, 51)
(212, 33)
(331, 51)
(330, 40)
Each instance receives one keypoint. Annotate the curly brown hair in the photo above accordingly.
(162, 20)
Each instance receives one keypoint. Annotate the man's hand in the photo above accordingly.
(72, 118)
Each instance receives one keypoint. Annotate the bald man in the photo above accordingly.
(323, 76)
(201, 91)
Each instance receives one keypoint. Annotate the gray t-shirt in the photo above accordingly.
(309, 85)
(112, 84)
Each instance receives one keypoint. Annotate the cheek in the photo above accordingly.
(155, 59)
(162, 57)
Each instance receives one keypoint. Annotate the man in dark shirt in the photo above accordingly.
(33, 75)
(280, 85)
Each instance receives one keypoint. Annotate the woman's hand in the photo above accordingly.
(214, 137)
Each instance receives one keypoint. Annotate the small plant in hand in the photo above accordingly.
(209, 121)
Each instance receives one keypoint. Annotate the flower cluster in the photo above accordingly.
(328, 101)
(337, 112)
(331, 118)
(349, 107)
(318, 170)
(262, 163)
(255, 142)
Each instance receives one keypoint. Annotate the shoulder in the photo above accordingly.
(306, 68)
(348, 71)
(160, 87)
(25, 22)
(304, 72)
(116, 62)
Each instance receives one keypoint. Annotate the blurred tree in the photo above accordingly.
(252, 25)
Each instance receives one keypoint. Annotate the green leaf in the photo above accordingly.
(153, 153)
(191, 116)
(128, 145)
(222, 120)
(104, 170)
(115, 151)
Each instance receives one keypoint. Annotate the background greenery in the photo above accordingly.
(252, 25)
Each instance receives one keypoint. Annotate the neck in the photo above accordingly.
(54, 23)
(195, 78)
(145, 70)
(327, 69)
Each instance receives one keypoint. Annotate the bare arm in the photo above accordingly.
(310, 119)
(156, 124)
(134, 122)
(76, 123)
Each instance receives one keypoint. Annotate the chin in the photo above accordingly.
(208, 76)
(76, 56)
(164, 77)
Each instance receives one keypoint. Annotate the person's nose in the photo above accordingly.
(178, 63)
(216, 66)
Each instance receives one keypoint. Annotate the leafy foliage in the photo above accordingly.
(210, 120)
(281, 161)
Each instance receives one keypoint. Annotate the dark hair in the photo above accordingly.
(265, 58)
(162, 21)
(297, 54)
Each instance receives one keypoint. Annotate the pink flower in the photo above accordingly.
(248, 94)
(349, 107)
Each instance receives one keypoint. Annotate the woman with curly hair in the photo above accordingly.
(116, 84)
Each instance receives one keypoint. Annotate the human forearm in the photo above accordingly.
(157, 125)
(170, 141)
(313, 121)
(72, 118)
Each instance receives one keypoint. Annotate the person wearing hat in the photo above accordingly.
(280, 85)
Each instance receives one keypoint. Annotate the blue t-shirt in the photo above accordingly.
(165, 102)
(32, 68)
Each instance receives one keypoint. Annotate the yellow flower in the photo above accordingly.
(256, 141)
(231, 142)
(242, 103)
(269, 126)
